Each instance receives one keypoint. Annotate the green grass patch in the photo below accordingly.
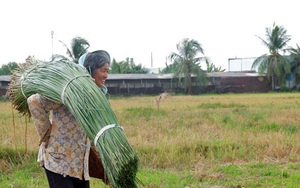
(143, 112)
(230, 140)
(20, 169)
(155, 178)
(220, 105)
(259, 175)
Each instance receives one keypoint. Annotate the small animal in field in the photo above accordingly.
(161, 96)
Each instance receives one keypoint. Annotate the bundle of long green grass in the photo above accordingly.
(70, 84)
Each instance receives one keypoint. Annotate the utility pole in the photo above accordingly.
(52, 33)
(151, 61)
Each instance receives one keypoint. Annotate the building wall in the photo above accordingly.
(216, 85)
(138, 86)
(3, 88)
(230, 84)
(243, 85)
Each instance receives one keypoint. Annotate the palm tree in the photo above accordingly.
(212, 67)
(169, 68)
(79, 46)
(188, 62)
(275, 65)
(295, 62)
(137, 69)
(115, 67)
(127, 67)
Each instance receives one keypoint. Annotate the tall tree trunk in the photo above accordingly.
(189, 82)
(273, 82)
(190, 88)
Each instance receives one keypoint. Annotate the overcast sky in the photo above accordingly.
(137, 28)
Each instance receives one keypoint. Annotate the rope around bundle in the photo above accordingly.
(103, 129)
(65, 87)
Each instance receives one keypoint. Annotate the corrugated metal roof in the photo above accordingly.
(169, 76)
(138, 76)
(5, 78)
(232, 74)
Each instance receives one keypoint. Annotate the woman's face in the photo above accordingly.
(100, 75)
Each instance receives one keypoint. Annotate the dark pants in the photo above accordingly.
(59, 181)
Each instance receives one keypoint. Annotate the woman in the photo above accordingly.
(64, 146)
(97, 63)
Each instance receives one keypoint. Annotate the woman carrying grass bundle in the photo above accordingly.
(64, 146)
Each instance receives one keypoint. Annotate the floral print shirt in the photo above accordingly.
(64, 146)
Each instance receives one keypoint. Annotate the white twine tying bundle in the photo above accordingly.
(103, 129)
(23, 77)
(63, 91)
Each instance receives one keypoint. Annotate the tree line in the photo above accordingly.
(187, 61)
(277, 66)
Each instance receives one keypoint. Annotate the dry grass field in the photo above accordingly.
(232, 140)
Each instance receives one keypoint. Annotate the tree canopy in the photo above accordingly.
(275, 65)
(210, 67)
(295, 62)
(7, 68)
(79, 46)
(187, 62)
(126, 67)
